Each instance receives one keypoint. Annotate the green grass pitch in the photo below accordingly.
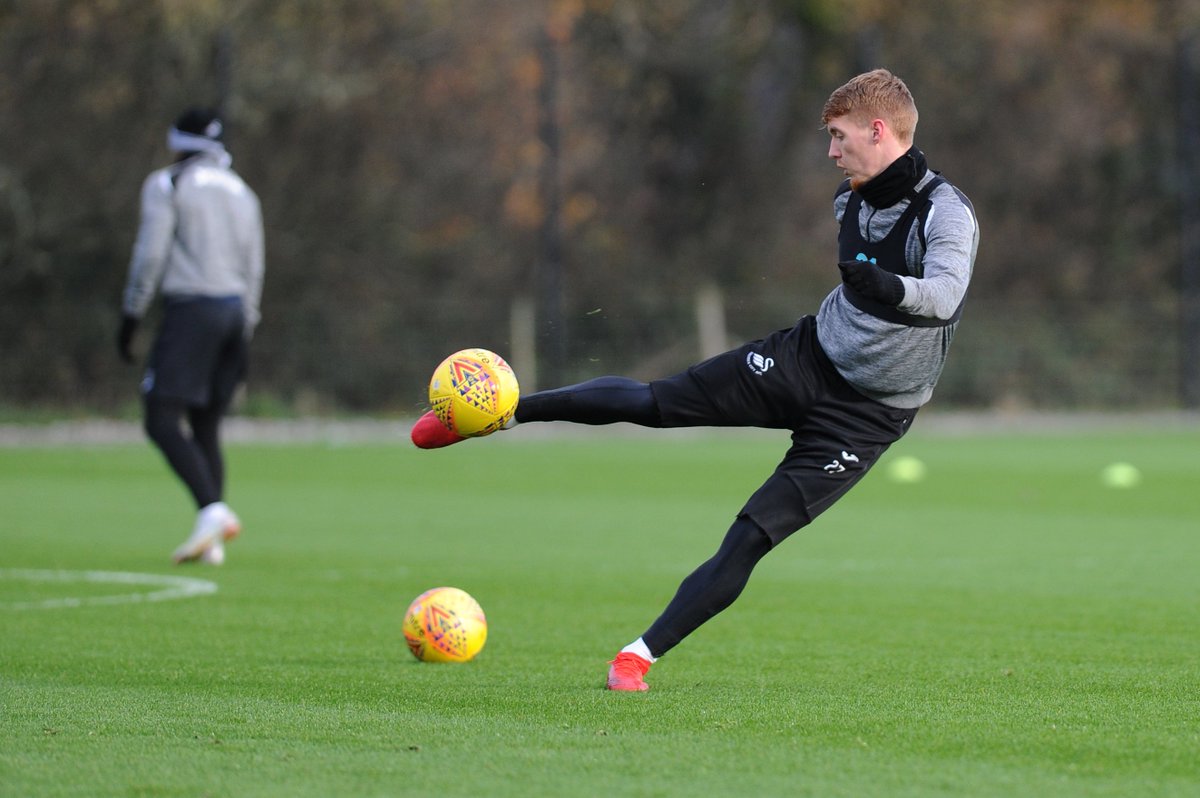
(1006, 627)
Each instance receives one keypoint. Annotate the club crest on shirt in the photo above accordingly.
(758, 363)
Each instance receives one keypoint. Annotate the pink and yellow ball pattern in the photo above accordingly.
(474, 392)
(445, 624)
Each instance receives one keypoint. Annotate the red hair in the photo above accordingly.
(877, 94)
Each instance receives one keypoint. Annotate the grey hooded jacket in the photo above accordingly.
(201, 234)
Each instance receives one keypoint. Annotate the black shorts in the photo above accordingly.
(786, 381)
(200, 353)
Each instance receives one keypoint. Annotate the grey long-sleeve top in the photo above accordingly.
(895, 364)
(201, 234)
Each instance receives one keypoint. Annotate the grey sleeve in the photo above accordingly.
(152, 246)
(951, 239)
(255, 269)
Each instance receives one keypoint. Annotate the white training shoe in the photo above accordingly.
(214, 554)
(216, 525)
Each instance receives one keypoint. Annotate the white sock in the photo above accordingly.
(215, 507)
(640, 648)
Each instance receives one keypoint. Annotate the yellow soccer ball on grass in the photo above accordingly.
(445, 624)
(474, 392)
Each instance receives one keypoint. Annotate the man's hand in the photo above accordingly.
(125, 338)
(872, 282)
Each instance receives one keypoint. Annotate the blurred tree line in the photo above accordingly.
(562, 180)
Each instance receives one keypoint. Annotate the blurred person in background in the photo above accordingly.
(199, 244)
(846, 382)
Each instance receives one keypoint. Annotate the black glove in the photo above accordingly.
(872, 282)
(125, 338)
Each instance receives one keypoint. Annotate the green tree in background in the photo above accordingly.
(401, 153)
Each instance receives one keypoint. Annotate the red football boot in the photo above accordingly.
(430, 433)
(626, 673)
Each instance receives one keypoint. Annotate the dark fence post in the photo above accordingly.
(550, 281)
(1189, 220)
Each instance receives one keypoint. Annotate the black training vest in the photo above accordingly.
(887, 253)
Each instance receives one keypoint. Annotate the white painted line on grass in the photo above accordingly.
(172, 587)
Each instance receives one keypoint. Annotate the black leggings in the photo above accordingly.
(714, 585)
(604, 400)
(196, 457)
(710, 588)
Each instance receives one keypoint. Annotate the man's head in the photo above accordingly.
(197, 130)
(871, 121)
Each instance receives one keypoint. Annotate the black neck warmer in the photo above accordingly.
(893, 184)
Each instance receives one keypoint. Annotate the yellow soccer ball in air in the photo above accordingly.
(445, 624)
(474, 392)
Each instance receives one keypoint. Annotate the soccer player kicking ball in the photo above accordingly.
(846, 382)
